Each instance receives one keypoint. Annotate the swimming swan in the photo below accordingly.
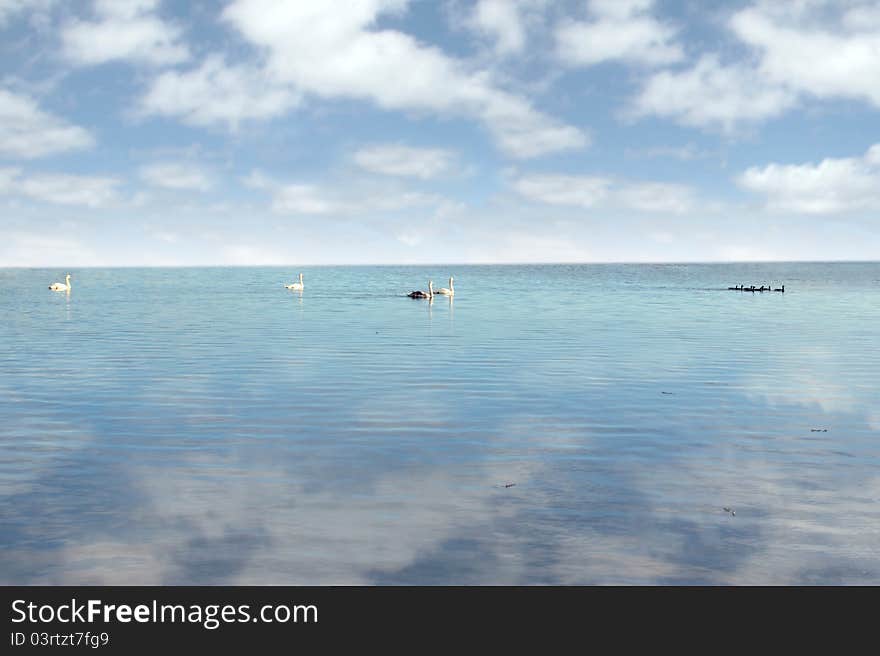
(297, 286)
(421, 294)
(61, 286)
(447, 292)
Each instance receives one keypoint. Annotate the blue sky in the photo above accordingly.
(143, 132)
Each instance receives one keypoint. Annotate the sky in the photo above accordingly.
(271, 132)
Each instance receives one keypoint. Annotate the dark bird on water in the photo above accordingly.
(730, 510)
(420, 294)
(509, 484)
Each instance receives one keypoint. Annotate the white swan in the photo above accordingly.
(61, 286)
(447, 292)
(421, 294)
(297, 286)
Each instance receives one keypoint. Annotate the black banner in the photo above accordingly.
(161, 618)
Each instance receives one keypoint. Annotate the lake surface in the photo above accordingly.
(207, 426)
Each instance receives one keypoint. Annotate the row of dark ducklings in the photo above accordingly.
(762, 288)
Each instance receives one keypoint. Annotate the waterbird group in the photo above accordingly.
(443, 291)
(298, 287)
(762, 288)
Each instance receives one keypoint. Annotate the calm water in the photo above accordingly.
(201, 426)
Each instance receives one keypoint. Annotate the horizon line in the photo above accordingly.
(438, 264)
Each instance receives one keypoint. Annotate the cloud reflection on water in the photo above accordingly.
(244, 449)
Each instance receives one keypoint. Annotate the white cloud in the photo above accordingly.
(59, 188)
(70, 189)
(593, 191)
(304, 199)
(711, 94)
(794, 52)
(295, 198)
(686, 152)
(28, 132)
(504, 22)
(128, 30)
(580, 191)
(836, 58)
(622, 30)
(318, 50)
(174, 175)
(330, 200)
(656, 197)
(218, 93)
(398, 160)
(832, 185)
